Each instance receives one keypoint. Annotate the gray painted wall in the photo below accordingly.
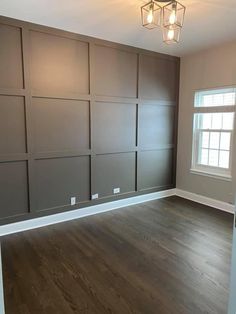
(80, 116)
(212, 68)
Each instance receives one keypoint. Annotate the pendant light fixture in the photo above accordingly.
(173, 15)
(170, 34)
(151, 15)
(169, 17)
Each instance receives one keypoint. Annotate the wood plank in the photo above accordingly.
(164, 256)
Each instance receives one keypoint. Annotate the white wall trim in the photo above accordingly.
(101, 208)
(83, 212)
(206, 201)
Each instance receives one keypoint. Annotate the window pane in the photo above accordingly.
(213, 157)
(215, 140)
(228, 121)
(205, 139)
(213, 129)
(225, 140)
(216, 121)
(218, 100)
(206, 120)
(229, 99)
(203, 157)
(207, 100)
(214, 98)
(224, 159)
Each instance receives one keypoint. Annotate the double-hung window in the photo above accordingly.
(213, 126)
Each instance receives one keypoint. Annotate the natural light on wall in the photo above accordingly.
(213, 126)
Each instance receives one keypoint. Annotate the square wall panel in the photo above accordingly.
(155, 169)
(59, 179)
(59, 64)
(13, 189)
(12, 125)
(60, 125)
(156, 125)
(115, 72)
(114, 171)
(10, 57)
(114, 126)
(158, 78)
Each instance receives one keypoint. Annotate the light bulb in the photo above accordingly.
(172, 17)
(171, 34)
(150, 16)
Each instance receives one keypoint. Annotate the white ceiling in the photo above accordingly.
(207, 22)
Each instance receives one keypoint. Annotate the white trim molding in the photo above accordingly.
(101, 208)
(82, 212)
(206, 201)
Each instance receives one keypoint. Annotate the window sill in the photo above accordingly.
(211, 175)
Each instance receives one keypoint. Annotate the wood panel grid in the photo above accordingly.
(89, 126)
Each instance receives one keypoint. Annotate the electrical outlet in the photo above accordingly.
(94, 196)
(116, 190)
(73, 200)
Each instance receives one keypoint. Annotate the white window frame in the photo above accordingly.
(207, 170)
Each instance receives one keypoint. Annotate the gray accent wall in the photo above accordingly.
(212, 68)
(81, 116)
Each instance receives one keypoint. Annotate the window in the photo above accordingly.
(213, 128)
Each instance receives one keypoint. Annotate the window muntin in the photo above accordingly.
(215, 121)
(215, 98)
(213, 131)
(214, 141)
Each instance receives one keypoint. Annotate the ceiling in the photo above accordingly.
(207, 22)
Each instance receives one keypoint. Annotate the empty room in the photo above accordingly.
(117, 157)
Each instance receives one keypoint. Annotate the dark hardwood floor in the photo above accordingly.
(165, 256)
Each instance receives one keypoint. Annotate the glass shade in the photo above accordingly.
(171, 35)
(173, 15)
(151, 15)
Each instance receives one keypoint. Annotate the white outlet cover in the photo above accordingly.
(94, 196)
(73, 200)
(116, 190)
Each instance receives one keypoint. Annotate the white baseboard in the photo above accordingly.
(206, 201)
(83, 212)
(101, 208)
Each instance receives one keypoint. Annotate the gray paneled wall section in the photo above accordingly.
(80, 116)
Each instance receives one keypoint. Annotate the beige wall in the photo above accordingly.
(215, 67)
